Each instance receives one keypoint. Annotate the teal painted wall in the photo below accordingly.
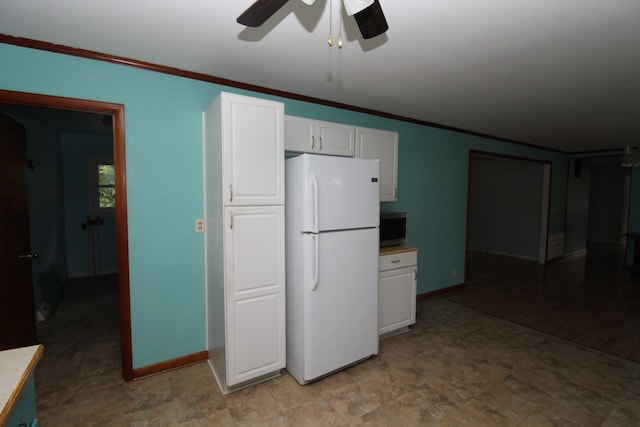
(77, 149)
(164, 183)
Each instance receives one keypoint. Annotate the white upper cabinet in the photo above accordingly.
(381, 145)
(299, 134)
(335, 139)
(319, 137)
(252, 150)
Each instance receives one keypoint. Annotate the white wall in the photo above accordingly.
(504, 206)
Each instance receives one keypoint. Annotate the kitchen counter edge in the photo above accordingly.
(397, 249)
(18, 365)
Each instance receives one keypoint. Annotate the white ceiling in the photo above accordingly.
(560, 74)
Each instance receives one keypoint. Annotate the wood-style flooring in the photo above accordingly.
(591, 300)
(462, 364)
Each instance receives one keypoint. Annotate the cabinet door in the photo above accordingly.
(24, 411)
(335, 139)
(397, 299)
(381, 145)
(299, 134)
(253, 150)
(254, 292)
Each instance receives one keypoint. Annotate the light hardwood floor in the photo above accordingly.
(474, 358)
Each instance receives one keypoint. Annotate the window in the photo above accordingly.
(102, 185)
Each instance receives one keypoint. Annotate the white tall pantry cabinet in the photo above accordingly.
(244, 239)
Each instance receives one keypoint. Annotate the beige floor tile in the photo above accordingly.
(457, 367)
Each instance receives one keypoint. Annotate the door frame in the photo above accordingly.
(545, 202)
(116, 111)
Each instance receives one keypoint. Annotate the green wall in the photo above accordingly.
(77, 149)
(164, 186)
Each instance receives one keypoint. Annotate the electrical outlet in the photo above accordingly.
(199, 225)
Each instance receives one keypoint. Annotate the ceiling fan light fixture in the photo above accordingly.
(354, 6)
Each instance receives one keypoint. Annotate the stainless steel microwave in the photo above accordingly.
(393, 228)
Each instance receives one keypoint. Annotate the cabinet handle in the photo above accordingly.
(395, 261)
(320, 147)
(395, 193)
(231, 221)
(313, 142)
(230, 193)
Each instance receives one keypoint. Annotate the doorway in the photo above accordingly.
(116, 113)
(507, 214)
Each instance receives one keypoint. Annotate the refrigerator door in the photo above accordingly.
(340, 298)
(339, 193)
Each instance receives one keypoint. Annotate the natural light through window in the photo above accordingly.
(103, 188)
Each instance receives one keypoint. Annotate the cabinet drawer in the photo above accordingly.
(398, 260)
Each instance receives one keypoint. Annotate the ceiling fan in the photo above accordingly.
(368, 14)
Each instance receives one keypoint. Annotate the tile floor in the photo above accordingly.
(457, 367)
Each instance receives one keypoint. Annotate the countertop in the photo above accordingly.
(397, 249)
(16, 366)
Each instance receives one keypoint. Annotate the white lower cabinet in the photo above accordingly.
(254, 292)
(397, 291)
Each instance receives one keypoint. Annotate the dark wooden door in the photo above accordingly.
(17, 311)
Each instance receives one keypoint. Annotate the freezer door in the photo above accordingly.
(340, 300)
(340, 193)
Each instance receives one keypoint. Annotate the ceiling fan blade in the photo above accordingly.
(354, 6)
(259, 12)
(371, 21)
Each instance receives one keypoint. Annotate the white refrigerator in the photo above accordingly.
(332, 213)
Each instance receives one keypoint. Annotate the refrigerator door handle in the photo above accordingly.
(314, 284)
(314, 185)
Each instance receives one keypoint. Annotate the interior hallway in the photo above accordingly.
(462, 365)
